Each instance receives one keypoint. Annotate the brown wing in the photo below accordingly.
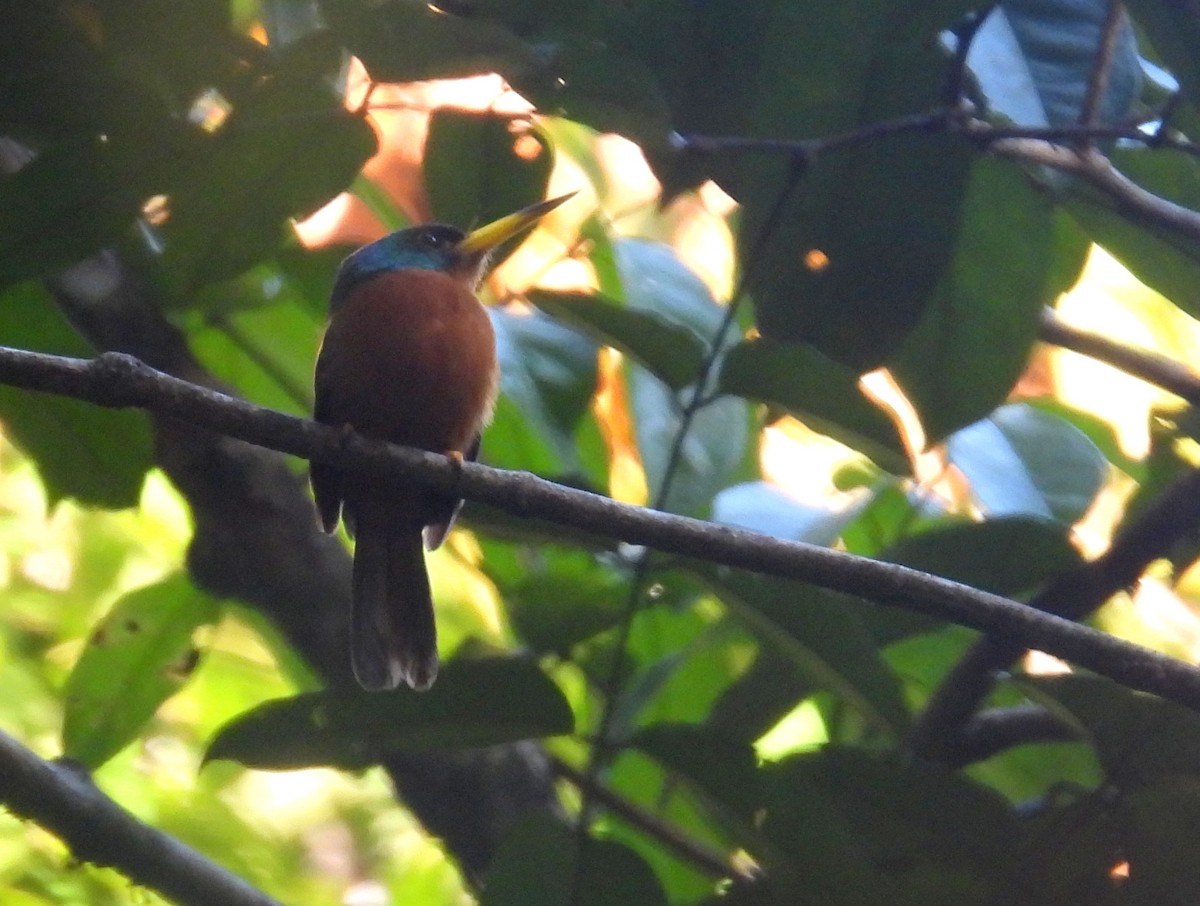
(326, 480)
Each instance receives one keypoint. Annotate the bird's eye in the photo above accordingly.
(432, 240)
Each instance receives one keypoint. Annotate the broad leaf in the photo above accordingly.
(473, 172)
(137, 657)
(1139, 738)
(824, 636)
(538, 864)
(1021, 461)
(975, 337)
(822, 393)
(474, 703)
(96, 455)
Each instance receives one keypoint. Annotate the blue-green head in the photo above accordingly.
(436, 247)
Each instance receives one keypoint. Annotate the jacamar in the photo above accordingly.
(409, 357)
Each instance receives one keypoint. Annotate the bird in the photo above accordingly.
(408, 356)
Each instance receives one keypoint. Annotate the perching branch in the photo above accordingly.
(62, 798)
(118, 380)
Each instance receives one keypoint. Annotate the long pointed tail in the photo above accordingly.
(393, 635)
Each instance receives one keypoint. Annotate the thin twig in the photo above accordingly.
(690, 850)
(1098, 171)
(118, 381)
(62, 798)
(1159, 370)
(699, 398)
(1097, 87)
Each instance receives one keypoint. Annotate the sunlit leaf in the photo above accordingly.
(96, 455)
(1021, 461)
(136, 658)
(822, 393)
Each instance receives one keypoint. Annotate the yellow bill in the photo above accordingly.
(487, 237)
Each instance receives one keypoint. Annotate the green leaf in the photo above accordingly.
(833, 263)
(61, 208)
(475, 703)
(538, 861)
(715, 451)
(825, 637)
(98, 456)
(976, 334)
(671, 352)
(411, 41)
(1139, 738)
(1008, 555)
(1021, 461)
(548, 374)
(545, 577)
(1174, 30)
(596, 84)
(285, 150)
(822, 393)
(472, 170)
(1158, 256)
(1159, 842)
(721, 767)
(136, 658)
(853, 826)
(1033, 60)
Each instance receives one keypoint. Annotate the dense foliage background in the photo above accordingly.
(774, 200)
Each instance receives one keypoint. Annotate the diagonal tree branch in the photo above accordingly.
(63, 799)
(118, 380)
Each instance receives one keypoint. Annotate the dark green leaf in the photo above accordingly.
(66, 204)
(866, 827)
(671, 351)
(136, 658)
(1174, 29)
(410, 41)
(833, 265)
(1139, 738)
(825, 638)
(1021, 461)
(284, 151)
(822, 393)
(1160, 842)
(538, 861)
(474, 703)
(976, 334)
(721, 767)
(472, 170)
(1007, 555)
(98, 456)
(597, 85)
(1158, 256)
(537, 591)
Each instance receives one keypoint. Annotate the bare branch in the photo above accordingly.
(1097, 170)
(62, 798)
(119, 380)
(1151, 367)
